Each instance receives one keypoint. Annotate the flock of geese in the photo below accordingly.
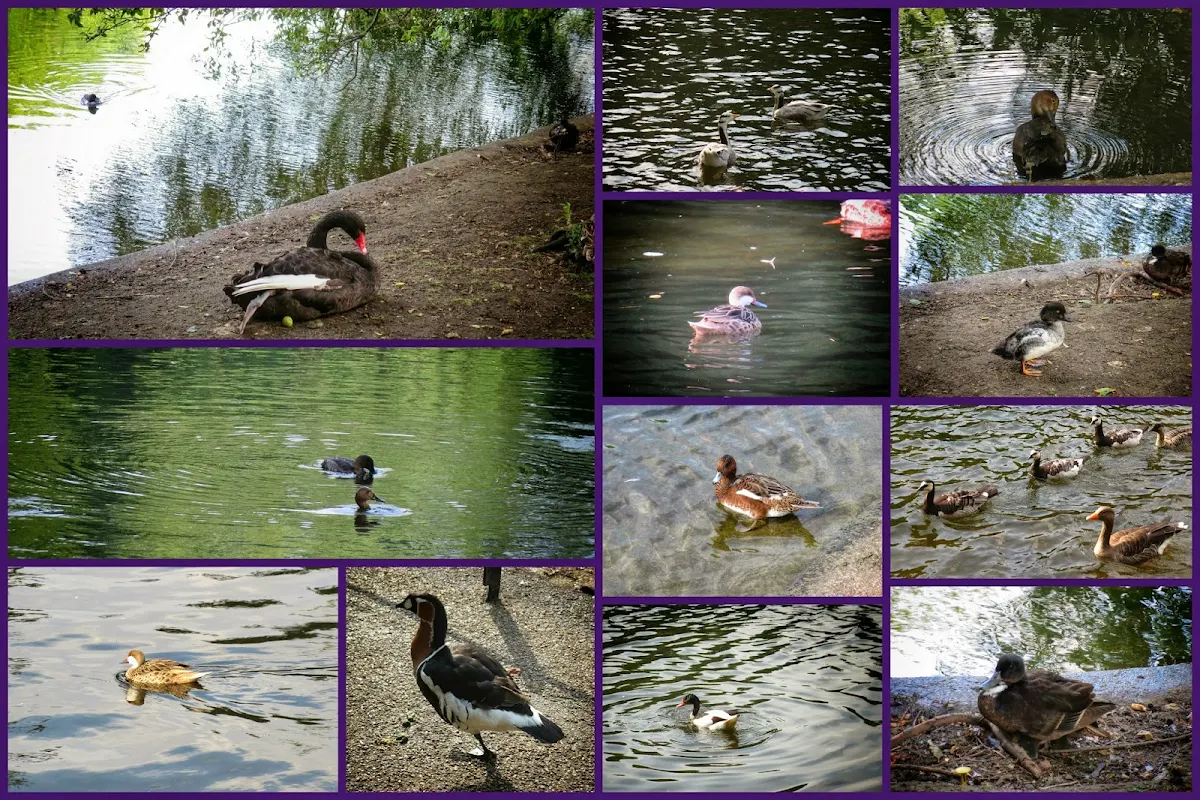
(722, 155)
(1131, 546)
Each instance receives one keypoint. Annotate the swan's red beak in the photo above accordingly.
(361, 241)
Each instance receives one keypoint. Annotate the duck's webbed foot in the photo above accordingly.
(1032, 368)
(482, 751)
(253, 306)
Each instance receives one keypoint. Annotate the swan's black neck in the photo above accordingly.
(349, 223)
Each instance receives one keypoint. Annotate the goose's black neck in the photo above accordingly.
(724, 135)
(929, 498)
(438, 625)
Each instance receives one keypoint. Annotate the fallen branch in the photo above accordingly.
(937, 722)
(1018, 753)
(1121, 746)
(935, 770)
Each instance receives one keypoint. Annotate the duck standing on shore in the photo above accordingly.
(1033, 340)
(312, 281)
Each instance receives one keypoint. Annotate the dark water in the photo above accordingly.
(266, 719)
(806, 681)
(962, 630)
(669, 73)
(175, 150)
(1123, 77)
(826, 330)
(201, 453)
(1033, 529)
(944, 236)
(665, 535)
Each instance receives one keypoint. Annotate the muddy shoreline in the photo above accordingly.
(1134, 347)
(454, 237)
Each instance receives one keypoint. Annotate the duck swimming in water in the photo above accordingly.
(735, 318)
(312, 281)
(363, 498)
(713, 719)
(158, 671)
(1033, 340)
(1039, 148)
(755, 496)
(363, 467)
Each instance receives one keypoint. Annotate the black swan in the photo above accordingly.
(1039, 147)
(312, 281)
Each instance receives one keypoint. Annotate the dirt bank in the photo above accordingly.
(453, 237)
(1164, 696)
(544, 624)
(1162, 179)
(1134, 347)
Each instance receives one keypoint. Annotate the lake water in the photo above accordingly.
(946, 236)
(266, 719)
(196, 453)
(1123, 77)
(826, 330)
(1033, 529)
(665, 535)
(175, 149)
(962, 630)
(670, 73)
(806, 682)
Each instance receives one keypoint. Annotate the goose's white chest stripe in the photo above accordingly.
(469, 718)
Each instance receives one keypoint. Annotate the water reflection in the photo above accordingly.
(178, 150)
(967, 76)
(946, 236)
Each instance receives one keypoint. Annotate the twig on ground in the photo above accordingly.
(1120, 746)
(935, 770)
(936, 722)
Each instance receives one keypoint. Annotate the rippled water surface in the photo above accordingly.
(945, 236)
(664, 533)
(1033, 528)
(962, 630)
(806, 682)
(175, 149)
(203, 453)
(1123, 77)
(670, 73)
(825, 331)
(265, 719)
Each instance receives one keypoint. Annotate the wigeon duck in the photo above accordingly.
(1033, 340)
(734, 318)
(714, 719)
(955, 504)
(1039, 148)
(158, 671)
(1133, 545)
(1165, 437)
(1115, 437)
(312, 281)
(363, 497)
(1054, 467)
(755, 496)
(1172, 267)
(363, 467)
(1041, 705)
(796, 110)
(467, 687)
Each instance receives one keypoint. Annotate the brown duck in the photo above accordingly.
(1171, 267)
(1040, 706)
(755, 496)
(158, 671)
(1039, 148)
(312, 281)
(1133, 545)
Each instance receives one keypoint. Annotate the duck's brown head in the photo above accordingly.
(363, 497)
(135, 658)
(726, 468)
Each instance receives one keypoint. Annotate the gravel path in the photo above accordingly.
(544, 624)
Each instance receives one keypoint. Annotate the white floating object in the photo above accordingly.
(652, 254)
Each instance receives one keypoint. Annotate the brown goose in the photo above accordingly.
(312, 281)
(955, 504)
(1179, 437)
(1054, 467)
(1040, 705)
(1133, 545)
(1115, 437)
(158, 671)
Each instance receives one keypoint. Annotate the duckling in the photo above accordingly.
(158, 671)
(1040, 705)
(1133, 545)
(955, 504)
(1033, 340)
(1039, 148)
(1115, 437)
(755, 496)
(796, 110)
(1055, 467)
(1179, 437)
(719, 155)
(363, 497)
(714, 720)
(1171, 267)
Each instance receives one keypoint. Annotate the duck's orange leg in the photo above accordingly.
(1031, 368)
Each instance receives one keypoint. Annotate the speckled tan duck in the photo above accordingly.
(158, 671)
(755, 496)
